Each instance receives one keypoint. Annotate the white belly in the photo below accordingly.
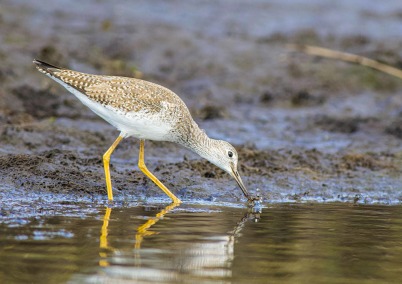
(140, 124)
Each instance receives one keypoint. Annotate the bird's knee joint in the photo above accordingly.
(106, 158)
(142, 166)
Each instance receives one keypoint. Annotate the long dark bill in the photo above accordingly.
(240, 183)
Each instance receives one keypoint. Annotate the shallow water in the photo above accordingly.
(54, 227)
(286, 243)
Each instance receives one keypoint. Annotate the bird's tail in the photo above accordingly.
(46, 68)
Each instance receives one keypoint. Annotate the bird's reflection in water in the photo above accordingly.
(103, 243)
(207, 252)
(142, 231)
(253, 213)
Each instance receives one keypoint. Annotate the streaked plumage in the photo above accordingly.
(146, 111)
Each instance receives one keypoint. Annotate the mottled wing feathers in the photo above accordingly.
(129, 94)
(122, 93)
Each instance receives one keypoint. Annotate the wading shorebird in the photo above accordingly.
(146, 111)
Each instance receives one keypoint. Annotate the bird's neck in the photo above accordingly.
(200, 143)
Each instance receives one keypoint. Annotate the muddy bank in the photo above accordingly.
(306, 129)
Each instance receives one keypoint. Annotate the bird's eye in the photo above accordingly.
(230, 154)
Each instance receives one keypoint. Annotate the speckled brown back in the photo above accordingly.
(122, 93)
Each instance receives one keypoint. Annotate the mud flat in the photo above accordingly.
(306, 129)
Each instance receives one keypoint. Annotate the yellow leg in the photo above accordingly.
(106, 160)
(143, 168)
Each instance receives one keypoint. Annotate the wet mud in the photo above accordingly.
(306, 129)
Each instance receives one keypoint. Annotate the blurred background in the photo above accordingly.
(318, 137)
(305, 127)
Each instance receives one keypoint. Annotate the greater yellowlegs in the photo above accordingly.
(146, 111)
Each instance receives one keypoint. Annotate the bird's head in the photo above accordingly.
(224, 155)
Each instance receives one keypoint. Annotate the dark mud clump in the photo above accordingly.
(373, 162)
(50, 53)
(346, 125)
(28, 105)
(210, 112)
(342, 125)
(395, 128)
(38, 103)
(304, 98)
(267, 97)
(52, 171)
(46, 103)
(266, 163)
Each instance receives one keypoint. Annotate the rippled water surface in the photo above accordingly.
(286, 243)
